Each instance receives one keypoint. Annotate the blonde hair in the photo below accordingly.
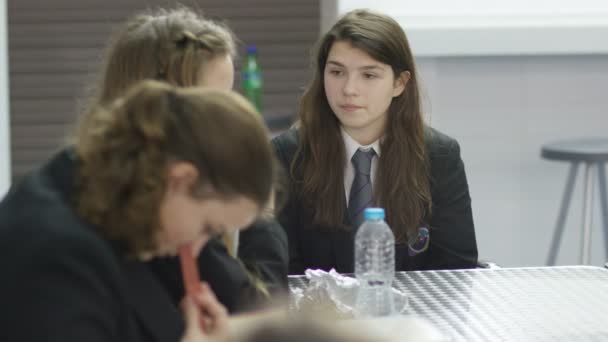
(125, 148)
(169, 45)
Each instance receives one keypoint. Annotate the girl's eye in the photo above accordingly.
(369, 76)
(336, 72)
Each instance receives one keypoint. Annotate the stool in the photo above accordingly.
(593, 152)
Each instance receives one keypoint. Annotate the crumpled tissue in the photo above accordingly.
(331, 292)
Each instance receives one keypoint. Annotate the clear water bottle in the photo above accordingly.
(252, 78)
(375, 265)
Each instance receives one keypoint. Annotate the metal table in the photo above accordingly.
(567, 303)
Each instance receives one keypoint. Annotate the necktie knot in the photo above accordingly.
(362, 161)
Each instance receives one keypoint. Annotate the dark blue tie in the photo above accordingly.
(361, 195)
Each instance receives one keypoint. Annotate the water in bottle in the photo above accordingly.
(252, 78)
(375, 265)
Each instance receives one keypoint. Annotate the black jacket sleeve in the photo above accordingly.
(452, 243)
(59, 290)
(289, 216)
(289, 220)
(263, 251)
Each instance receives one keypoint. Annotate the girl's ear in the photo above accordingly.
(400, 83)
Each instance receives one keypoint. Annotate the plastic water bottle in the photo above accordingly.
(252, 78)
(375, 265)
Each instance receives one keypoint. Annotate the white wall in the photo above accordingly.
(5, 141)
(502, 109)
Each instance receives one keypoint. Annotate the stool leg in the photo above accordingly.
(563, 212)
(603, 201)
(585, 257)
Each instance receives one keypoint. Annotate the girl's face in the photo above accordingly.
(185, 219)
(217, 73)
(359, 90)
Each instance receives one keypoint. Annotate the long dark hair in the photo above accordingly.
(402, 180)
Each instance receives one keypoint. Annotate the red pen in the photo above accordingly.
(190, 276)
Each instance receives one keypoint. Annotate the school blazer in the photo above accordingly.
(62, 281)
(452, 242)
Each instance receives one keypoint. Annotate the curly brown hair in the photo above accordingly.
(124, 151)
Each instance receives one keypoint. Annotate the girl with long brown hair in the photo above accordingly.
(361, 141)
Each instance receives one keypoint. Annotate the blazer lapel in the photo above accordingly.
(151, 303)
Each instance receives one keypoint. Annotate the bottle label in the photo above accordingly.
(252, 79)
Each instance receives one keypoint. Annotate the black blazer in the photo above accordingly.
(62, 281)
(452, 233)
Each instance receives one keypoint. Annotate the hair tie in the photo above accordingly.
(187, 37)
(184, 38)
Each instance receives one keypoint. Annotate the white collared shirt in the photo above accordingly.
(351, 146)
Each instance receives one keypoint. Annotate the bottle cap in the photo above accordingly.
(252, 49)
(374, 214)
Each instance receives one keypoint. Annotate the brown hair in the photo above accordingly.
(169, 45)
(125, 149)
(402, 180)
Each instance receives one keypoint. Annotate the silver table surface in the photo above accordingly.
(568, 303)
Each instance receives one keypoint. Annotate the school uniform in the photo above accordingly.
(451, 244)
